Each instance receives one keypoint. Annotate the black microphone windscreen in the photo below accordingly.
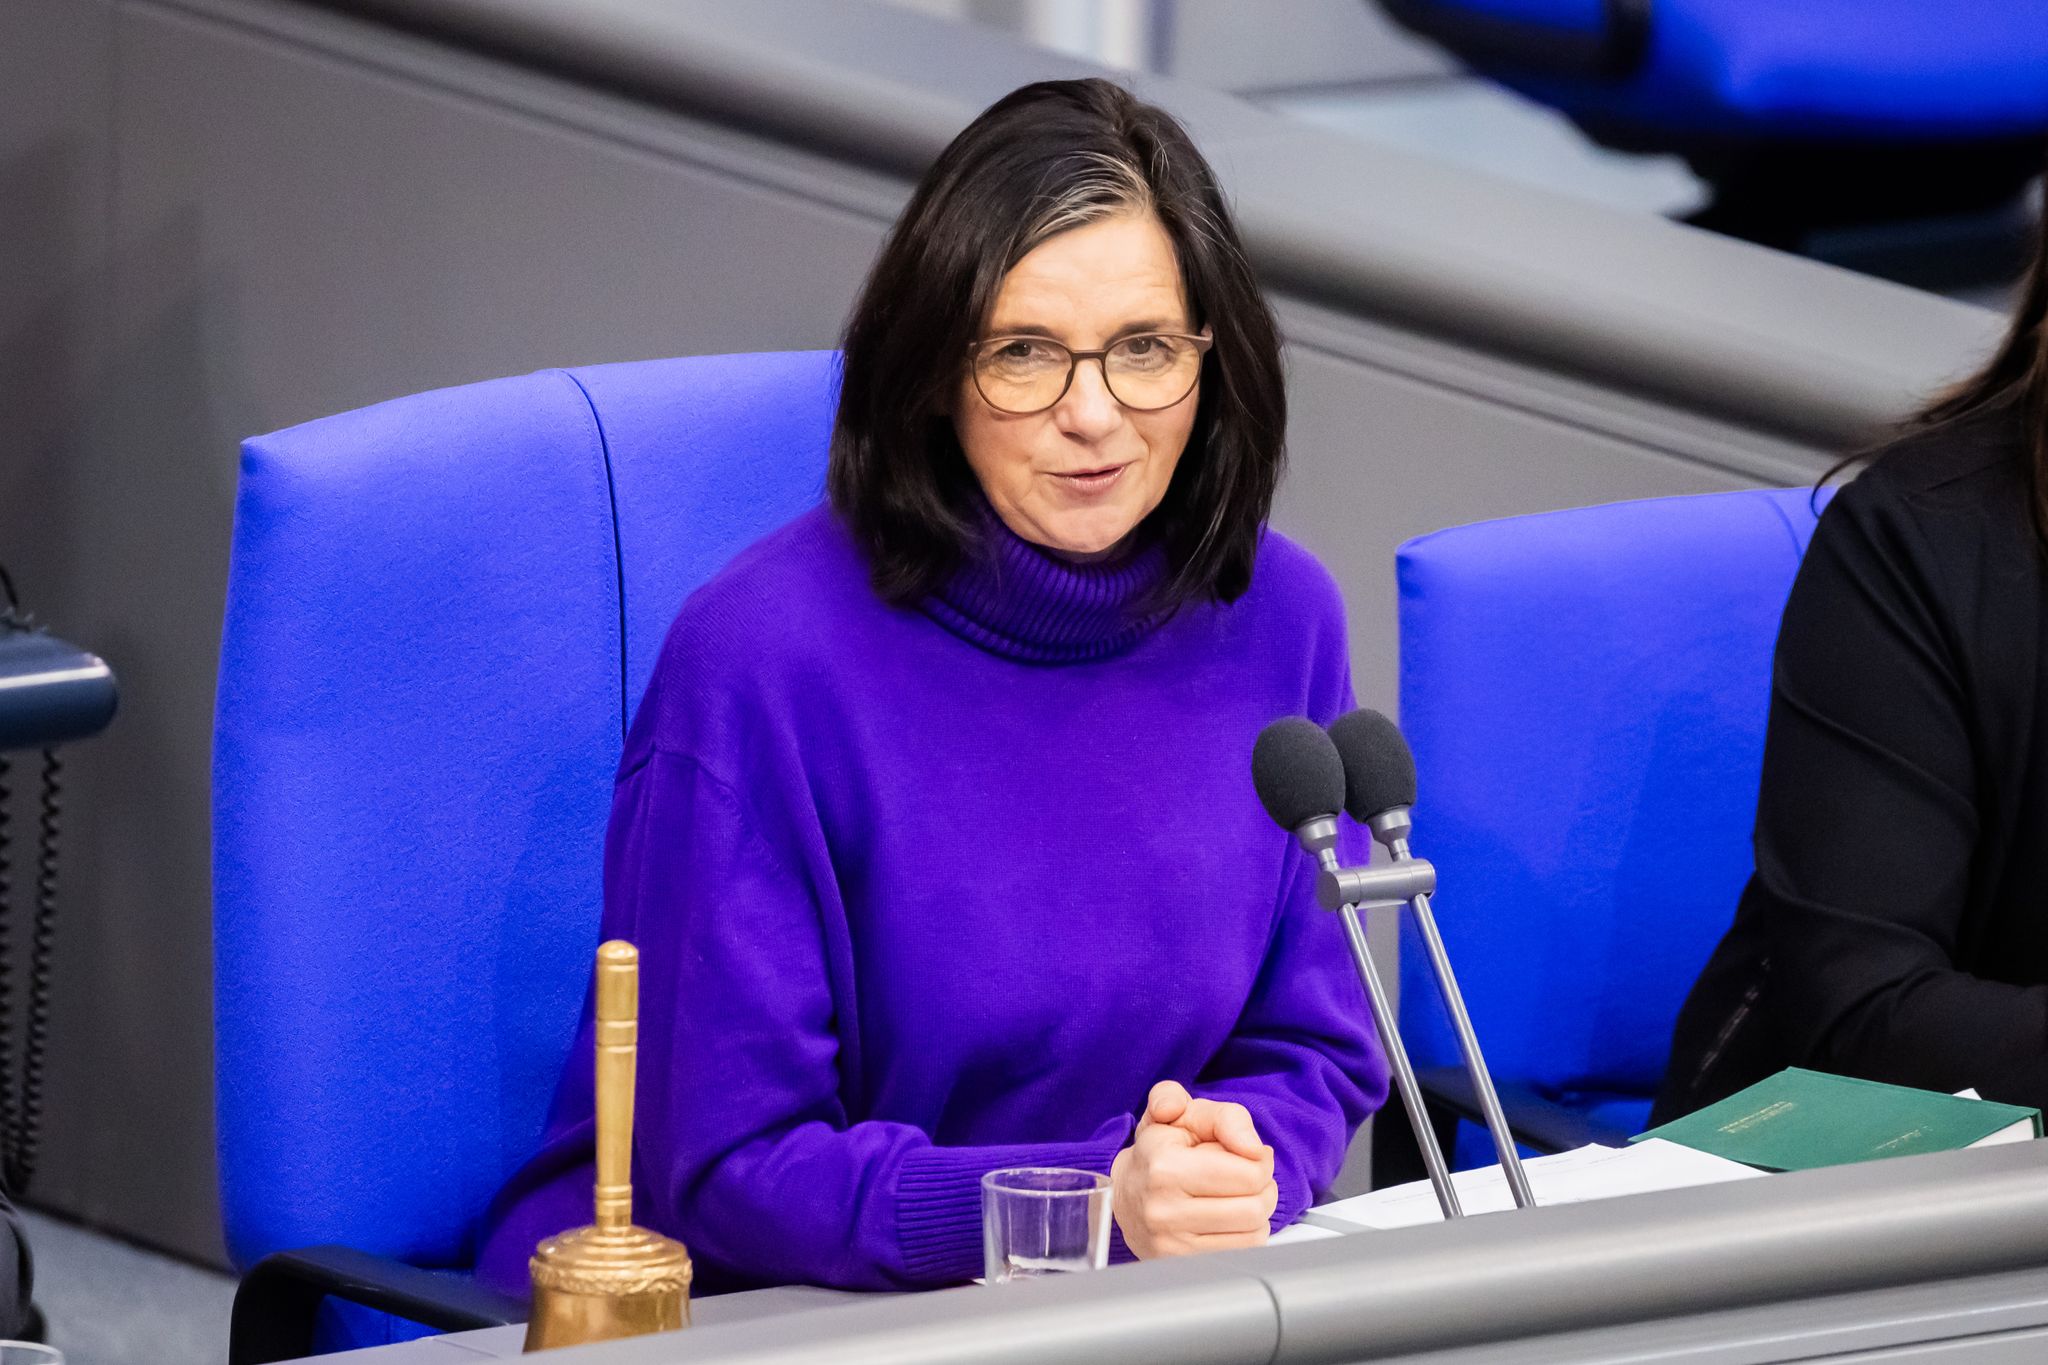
(1297, 773)
(1379, 768)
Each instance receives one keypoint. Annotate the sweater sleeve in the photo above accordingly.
(1303, 1056)
(744, 1141)
(1867, 822)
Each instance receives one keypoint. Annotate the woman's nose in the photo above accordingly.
(1089, 411)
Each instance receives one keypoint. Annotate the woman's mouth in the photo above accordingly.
(1090, 481)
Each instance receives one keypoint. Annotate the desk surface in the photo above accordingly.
(1983, 1321)
(503, 1343)
(1911, 1259)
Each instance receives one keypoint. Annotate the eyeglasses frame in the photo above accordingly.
(1203, 341)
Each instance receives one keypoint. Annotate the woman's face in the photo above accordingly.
(1080, 476)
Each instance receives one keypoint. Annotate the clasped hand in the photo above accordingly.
(1195, 1178)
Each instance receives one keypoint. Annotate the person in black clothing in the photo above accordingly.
(1896, 927)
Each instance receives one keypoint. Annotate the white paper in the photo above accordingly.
(1300, 1232)
(1592, 1172)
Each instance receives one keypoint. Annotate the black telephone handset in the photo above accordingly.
(50, 693)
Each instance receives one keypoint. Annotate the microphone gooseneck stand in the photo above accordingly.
(1320, 837)
(1299, 770)
(1379, 791)
(1461, 1021)
(1299, 777)
(1410, 881)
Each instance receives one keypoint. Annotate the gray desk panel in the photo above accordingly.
(1992, 1318)
(503, 1343)
(1814, 1233)
(1953, 1313)
(1858, 1262)
(2006, 1348)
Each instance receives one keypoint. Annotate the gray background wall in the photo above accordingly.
(218, 217)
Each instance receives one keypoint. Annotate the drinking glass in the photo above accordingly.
(29, 1353)
(1038, 1220)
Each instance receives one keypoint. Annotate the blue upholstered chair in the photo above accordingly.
(441, 611)
(1586, 693)
(1801, 112)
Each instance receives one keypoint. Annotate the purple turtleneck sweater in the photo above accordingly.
(924, 893)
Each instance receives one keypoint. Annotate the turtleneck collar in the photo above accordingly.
(1020, 601)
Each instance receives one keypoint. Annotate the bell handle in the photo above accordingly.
(618, 1045)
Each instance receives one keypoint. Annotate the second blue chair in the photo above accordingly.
(1586, 693)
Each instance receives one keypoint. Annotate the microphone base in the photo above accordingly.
(1397, 884)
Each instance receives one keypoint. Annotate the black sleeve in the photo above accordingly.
(1867, 820)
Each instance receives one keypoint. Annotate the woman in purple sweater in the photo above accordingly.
(935, 826)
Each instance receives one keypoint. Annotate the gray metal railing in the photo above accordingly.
(1510, 1277)
(1748, 333)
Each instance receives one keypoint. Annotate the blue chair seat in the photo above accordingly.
(1619, 1116)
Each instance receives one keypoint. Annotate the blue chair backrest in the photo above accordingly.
(1703, 72)
(1581, 16)
(441, 611)
(1588, 39)
(1586, 693)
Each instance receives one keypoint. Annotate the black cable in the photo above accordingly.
(7, 1110)
(28, 1118)
(21, 1089)
(12, 619)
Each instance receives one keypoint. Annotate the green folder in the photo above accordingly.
(1799, 1119)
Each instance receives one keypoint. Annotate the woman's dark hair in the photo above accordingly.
(2015, 381)
(1041, 160)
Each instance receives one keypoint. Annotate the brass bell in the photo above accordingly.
(610, 1279)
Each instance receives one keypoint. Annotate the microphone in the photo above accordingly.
(1300, 779)
(1379, 773)
(1379, 793)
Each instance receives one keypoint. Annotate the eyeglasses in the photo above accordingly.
(1023, 375)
